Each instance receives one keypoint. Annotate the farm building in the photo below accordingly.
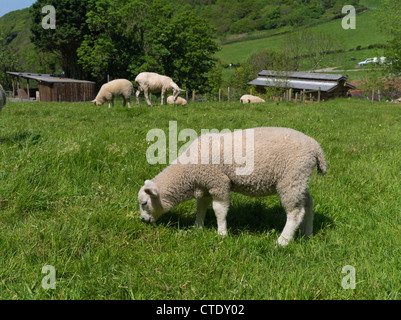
(51, 88)
(317, 86)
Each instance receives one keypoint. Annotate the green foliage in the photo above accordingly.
(390, 23)
(244, 16)
(8, 61)
(68, 35)
(264, 59)
(147, 37)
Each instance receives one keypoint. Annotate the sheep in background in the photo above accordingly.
(119, 87)
(247, 98)
(179, 101)
(283, 161)
(3, 97)
(150, 82)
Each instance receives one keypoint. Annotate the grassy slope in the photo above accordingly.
(69, 177)
(365, 34)
(18, 23)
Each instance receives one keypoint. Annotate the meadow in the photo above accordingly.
(70, 174)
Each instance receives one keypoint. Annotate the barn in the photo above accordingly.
(47, 88)
(318, 86)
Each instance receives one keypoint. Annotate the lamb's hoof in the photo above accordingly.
(283, 242)
(222, 233)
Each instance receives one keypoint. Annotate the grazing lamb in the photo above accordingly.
(247, 98)
(119, 87)
(155, 83)
(3, 98)
(180, 101)
(283, 161)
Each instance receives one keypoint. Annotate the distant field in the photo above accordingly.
(69, 178)
(365, 34)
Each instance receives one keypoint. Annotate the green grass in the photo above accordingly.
(366, 33)
(69, 177)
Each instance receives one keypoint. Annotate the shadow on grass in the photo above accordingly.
(251, 217)
(21, 138)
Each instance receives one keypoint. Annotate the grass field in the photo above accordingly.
(366, 33)
(69, 177)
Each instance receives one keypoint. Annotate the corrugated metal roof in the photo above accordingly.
(302, 75)
(46, 78)
(325, 86)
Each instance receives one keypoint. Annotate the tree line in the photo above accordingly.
(98, 39)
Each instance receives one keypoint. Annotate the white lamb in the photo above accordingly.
(179, 101)
(112, 89)
(247, 98)
(283, 161)
(150, 82)
(3, 97)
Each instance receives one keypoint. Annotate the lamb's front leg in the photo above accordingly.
(220, 208)
(201, 208)
(162, 96)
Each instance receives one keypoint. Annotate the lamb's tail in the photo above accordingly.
(321, 161)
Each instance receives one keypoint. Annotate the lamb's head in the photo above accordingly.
(149, 202)
(176, 92)
(97, 102)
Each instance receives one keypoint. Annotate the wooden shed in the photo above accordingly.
(51, 88)
(320, 86)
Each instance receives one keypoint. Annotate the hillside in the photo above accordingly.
(15, 29)
(363, 42)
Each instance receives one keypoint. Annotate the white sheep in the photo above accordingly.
(112, 89)
(179, 101)
(247, 98)
(283, 161)
(150, 82)
(3, 97)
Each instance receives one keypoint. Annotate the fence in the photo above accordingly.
(234, 94)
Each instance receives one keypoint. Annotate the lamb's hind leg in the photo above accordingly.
(138, 92)
(296, 211)
(146, 93)
(307, 224)
(220, 208)
(202, 205)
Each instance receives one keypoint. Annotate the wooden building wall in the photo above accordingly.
(66, 91)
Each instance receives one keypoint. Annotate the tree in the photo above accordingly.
(69, 33)
(390, 22)
(127, 37)
(264, 59)
(312, 47)
(190, 44)
(8, 62)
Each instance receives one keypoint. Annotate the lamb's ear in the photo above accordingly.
(151, 188)
(153, 191)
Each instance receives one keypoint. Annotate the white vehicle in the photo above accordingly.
(372, 60)
(367, 61)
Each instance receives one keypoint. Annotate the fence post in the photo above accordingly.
(303, 95)
(296, 97)
(318, 95)
(290, 93)
(378, 95)
(186, 95)
(373, 95)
